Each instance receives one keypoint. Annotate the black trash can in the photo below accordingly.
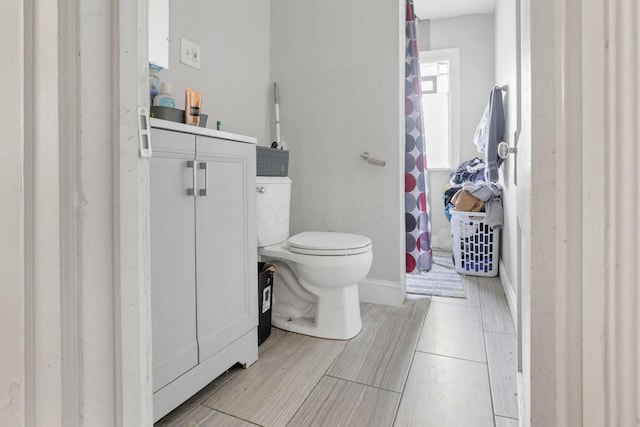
(265, 297)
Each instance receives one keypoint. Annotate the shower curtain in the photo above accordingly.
(417, 221)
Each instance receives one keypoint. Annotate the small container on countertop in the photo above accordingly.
(164, 98)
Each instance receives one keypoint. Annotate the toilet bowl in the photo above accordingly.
(315, 288)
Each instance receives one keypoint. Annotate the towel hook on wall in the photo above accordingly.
(504, 88)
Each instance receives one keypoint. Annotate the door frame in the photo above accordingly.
(76, 190)
(582, 326)
(550, 236)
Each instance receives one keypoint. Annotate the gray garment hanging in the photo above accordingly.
(490, 133)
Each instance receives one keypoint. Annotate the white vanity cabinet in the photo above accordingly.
(203, 259)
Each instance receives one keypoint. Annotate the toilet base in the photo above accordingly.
(337, 317)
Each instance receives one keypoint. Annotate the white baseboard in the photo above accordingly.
(512, 301)
(377, 291)
(509, 292)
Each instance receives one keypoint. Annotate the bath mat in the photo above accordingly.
(442, 280)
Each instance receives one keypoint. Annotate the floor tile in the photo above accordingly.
(177, 414)
(496, 316)
(305, 381)
(414, 308)
(276, 334)
(204, 417)
(443, 391)
(380, 356)
(454, 331)
(501, 355)
(335, 402)
(506, 422)
(270, 392)
(473, 294)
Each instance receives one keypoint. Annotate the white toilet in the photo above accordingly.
(316, 283)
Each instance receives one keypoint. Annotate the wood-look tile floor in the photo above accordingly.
(433, 361)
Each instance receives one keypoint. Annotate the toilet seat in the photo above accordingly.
(321, 243)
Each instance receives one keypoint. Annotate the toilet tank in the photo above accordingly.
(273, 202)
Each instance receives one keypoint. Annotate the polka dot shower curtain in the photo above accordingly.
(417, 221)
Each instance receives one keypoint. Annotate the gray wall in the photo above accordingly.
(340, 69)
(423, 34)
(234, 77)
(341, 83)
(474, 35)
(340, 78)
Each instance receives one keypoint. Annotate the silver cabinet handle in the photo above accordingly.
(261, 190)
(204, 191)
(191, 191)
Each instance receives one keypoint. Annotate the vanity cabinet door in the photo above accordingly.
(173, 246)
(226, 253)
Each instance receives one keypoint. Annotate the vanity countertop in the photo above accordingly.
(195, 130)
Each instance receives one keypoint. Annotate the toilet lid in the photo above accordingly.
(328, 243)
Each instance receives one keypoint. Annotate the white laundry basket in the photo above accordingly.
(476, 246)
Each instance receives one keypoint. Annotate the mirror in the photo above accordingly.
(159, 33)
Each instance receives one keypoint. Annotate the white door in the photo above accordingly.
(549, 179)
(523, 200)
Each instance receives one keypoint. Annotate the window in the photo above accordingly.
(440, 77)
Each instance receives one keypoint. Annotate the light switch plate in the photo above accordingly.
(195, 56)
(190, 53)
